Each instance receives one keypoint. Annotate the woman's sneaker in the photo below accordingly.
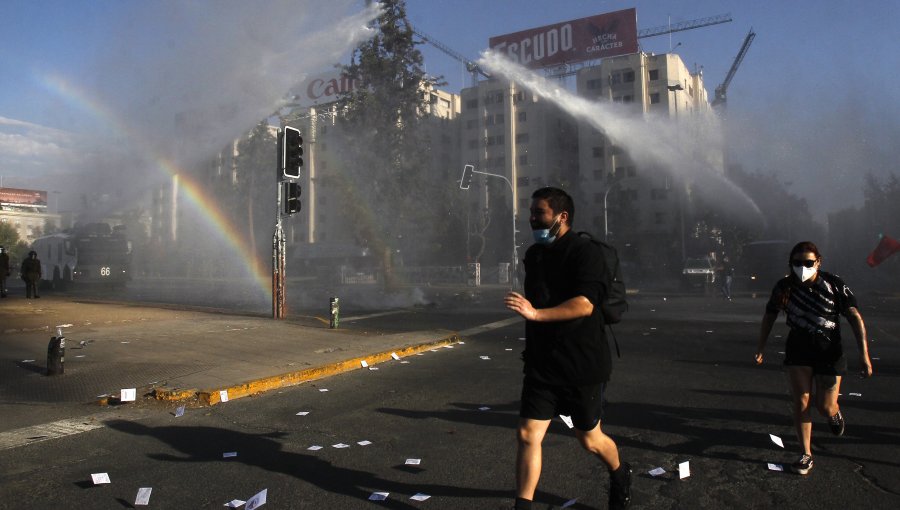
(836, 423)
(802, 466)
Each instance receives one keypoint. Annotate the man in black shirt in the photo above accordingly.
(567, 358)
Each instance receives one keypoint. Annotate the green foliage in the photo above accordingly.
(8, 235)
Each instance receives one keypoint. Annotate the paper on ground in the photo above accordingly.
(227, 455)
(405, 362)
(143, 496)
(394, 355)
(484, 408)
(223, 395)
(340, 445)
(777, 440)
(508, 349)
(775, 467)
(127, 394)
(314, 447)
(323, 389)
(373, 368)
(99, 478)
(379, 496)
(855, 394)
(569, 503)
(257, 500)
(684, 469)
(567, 420)
(32, 361)
(302, 413)
(657, 471)
(235, 503)
(364, 364)
(179, 411)
(364, 442)
(413, 462)
(419, 497)
(484, 357)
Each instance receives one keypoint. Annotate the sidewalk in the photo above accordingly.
(177, 354)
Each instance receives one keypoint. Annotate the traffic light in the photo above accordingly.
(466, 179)
(291, 198)
(291, 153)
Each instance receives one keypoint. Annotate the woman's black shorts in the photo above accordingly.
(544, 401)
(825, 355)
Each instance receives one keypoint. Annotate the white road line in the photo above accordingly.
(373, 315)
(488, 327)
(54, 430)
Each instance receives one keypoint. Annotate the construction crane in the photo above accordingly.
(722, 89)
(471, 66)
(684, 25)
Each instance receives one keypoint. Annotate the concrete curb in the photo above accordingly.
(213, 396)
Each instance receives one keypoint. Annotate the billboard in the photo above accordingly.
(27, 197)
(604, 35)
(322, 89)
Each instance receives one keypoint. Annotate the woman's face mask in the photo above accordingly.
(804, 268)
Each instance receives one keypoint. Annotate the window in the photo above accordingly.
(523, 159)
(615, 78)
(519, 97)
(494, 140)
(619, 172)
(522, 117)
(473, 123)
(495, 96)
(472, 103)
(658, 194)
(627, 99)
(653, 74)
(594, 84)
(654, 98)
(523, 181)
(499, 118)
(632, 171)
(522, 138)
(598, 174)
(628, 76)
(598, 152)
(473, 144)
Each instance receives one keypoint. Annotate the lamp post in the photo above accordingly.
(674, 90)
(605, 218)
(464, 182)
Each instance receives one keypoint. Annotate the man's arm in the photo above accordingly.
(574, 308)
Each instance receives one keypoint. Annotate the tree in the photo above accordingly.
(392, 192)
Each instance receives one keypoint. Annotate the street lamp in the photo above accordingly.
(605, 220)
(464, 182)
(674, 89)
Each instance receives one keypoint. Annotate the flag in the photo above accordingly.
(887, 247)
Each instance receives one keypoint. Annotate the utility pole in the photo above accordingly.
(290, 161)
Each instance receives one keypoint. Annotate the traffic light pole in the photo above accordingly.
(468, 170)
(278, 247)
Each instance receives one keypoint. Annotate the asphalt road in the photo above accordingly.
(685, 389)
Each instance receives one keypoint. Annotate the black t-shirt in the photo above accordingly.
(813, 309)
(573, 352)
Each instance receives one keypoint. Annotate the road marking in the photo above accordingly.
(54, 430)
(373, 315)
(491, 326)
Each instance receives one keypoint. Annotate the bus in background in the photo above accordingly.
(91, 253)
(762, 264)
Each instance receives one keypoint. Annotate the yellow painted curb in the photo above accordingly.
(213, 396)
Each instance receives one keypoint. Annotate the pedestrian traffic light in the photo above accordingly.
(466, 179)
(291, 153)
(291, 198)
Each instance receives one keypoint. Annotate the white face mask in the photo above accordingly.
(804, 273)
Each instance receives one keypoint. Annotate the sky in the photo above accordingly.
(814, 100)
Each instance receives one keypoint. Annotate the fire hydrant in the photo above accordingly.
(56, 354)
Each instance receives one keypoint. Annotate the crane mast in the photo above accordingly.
(722, 89)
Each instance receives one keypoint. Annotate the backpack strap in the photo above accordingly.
(615, 340)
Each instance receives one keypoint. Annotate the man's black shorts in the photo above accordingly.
(544, 401)
(824, 355)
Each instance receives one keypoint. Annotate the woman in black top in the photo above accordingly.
(813, 301)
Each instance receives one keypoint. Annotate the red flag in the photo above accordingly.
(885, 249)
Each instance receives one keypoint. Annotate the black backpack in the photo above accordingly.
(615, 304)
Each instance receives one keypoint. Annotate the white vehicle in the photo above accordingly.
(93, 253)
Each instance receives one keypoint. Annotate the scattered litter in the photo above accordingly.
(302, 413)
(340, 445)
(143, 496)
(775, 467)
(373, 368)
(364, 364)
(448, 347)
(646, 334)
(419, 497)
(508, 349)
(413, 462)
(127, 394)
(664, 299)
(27, 361)
(419, 354)
(780, 352)
(777, 440)
(777, 336)
(223, 395)
(394, 355)
(125, 342)
(855, 394)
(876, 359)
(461, 343)
(567, 420)
(484, 408)
(235, 503)
(404, 362)
(323, 389)
(228, 455)
(257, 500)
(379, 496)
(100, 478)
(653, 309)
(652, 329)
(364, 442)
(179, 411)
(657, 471)
(64, 326)
(709, 331)
(314, 448)
(569, 503)
(485, 357)
(80, 356)
(684, 470)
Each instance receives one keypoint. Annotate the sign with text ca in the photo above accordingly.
(604, 35)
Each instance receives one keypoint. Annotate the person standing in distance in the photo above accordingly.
(813, 301)
(31, 273)
(567, 357)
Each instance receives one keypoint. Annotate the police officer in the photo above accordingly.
(4, 270)
(31, 273)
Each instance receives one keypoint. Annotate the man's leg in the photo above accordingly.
(528, 458)
(601, 445)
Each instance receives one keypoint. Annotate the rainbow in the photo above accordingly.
(195, 196)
